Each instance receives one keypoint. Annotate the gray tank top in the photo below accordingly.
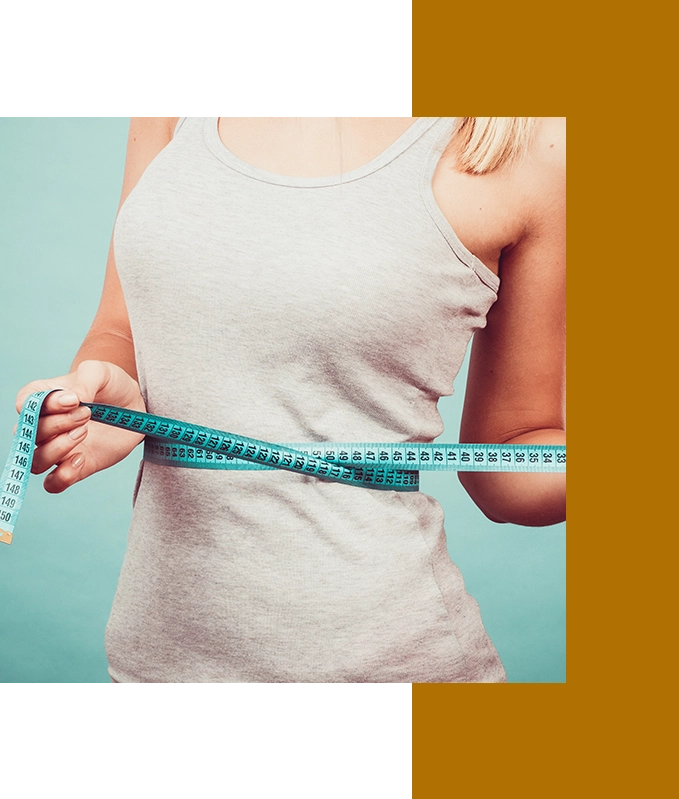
(294, 309)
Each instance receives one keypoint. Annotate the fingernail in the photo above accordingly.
(77, 460)
(78, 432)
(67, 399)
(79, 413)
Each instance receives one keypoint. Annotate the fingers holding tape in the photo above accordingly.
(52, 387)
(63, 422)
(57, 449)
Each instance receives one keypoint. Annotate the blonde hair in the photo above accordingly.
(483, 144)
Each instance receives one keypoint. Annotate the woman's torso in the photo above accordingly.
(295, 309)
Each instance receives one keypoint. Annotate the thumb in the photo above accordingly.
(37, 385)
(89, 379)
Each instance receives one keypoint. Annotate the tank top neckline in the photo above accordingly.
(396, 148)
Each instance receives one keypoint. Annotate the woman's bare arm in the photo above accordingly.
(104, 368)
(110, 338)
(516, 384)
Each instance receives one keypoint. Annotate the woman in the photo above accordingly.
(246, 290)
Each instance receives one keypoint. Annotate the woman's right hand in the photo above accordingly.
(66, 438)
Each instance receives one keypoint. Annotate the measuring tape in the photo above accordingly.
(170, 442)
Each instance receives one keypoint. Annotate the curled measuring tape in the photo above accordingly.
(170, 442)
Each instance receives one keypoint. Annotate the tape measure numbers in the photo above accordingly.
(170, 442)
(18, 466)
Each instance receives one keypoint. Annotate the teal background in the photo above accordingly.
(60, 182)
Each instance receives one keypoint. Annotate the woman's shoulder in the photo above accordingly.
(531, 188)
(545, 159)
(494, 211)
(539, 178)
(536, 173)
(548, 145)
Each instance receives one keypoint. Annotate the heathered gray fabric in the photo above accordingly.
(293, 309)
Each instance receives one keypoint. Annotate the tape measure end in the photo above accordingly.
(5, 537)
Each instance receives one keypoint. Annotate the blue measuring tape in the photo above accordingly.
(170, 442)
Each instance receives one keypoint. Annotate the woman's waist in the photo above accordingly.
(263, 507)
